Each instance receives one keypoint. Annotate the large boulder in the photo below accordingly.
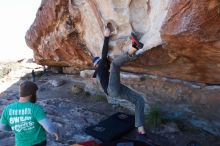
(183, 35)
(182, 42)
(69, 33)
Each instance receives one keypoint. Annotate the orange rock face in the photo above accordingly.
(182, 37)
(54, 39)
(191, 33)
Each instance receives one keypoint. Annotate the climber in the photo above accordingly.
(108, 74)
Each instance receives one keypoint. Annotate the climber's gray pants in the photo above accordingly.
(116, 89)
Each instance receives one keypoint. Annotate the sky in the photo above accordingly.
(16, 17)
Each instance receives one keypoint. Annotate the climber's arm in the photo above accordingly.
(105, 45)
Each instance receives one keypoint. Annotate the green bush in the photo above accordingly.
(100, 98)
(153, 118)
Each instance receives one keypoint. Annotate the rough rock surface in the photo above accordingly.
(183, 35)
(69, 33)
(53, 37)
(192, 35)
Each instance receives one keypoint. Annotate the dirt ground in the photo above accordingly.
(72, 109)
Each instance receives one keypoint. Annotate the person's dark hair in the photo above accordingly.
(28, 88)
(33, 98)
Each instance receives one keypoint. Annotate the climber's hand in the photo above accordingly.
(106, 32)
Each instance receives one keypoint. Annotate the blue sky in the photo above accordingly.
(16, 18)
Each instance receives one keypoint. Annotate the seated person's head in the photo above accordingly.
(28, 89)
